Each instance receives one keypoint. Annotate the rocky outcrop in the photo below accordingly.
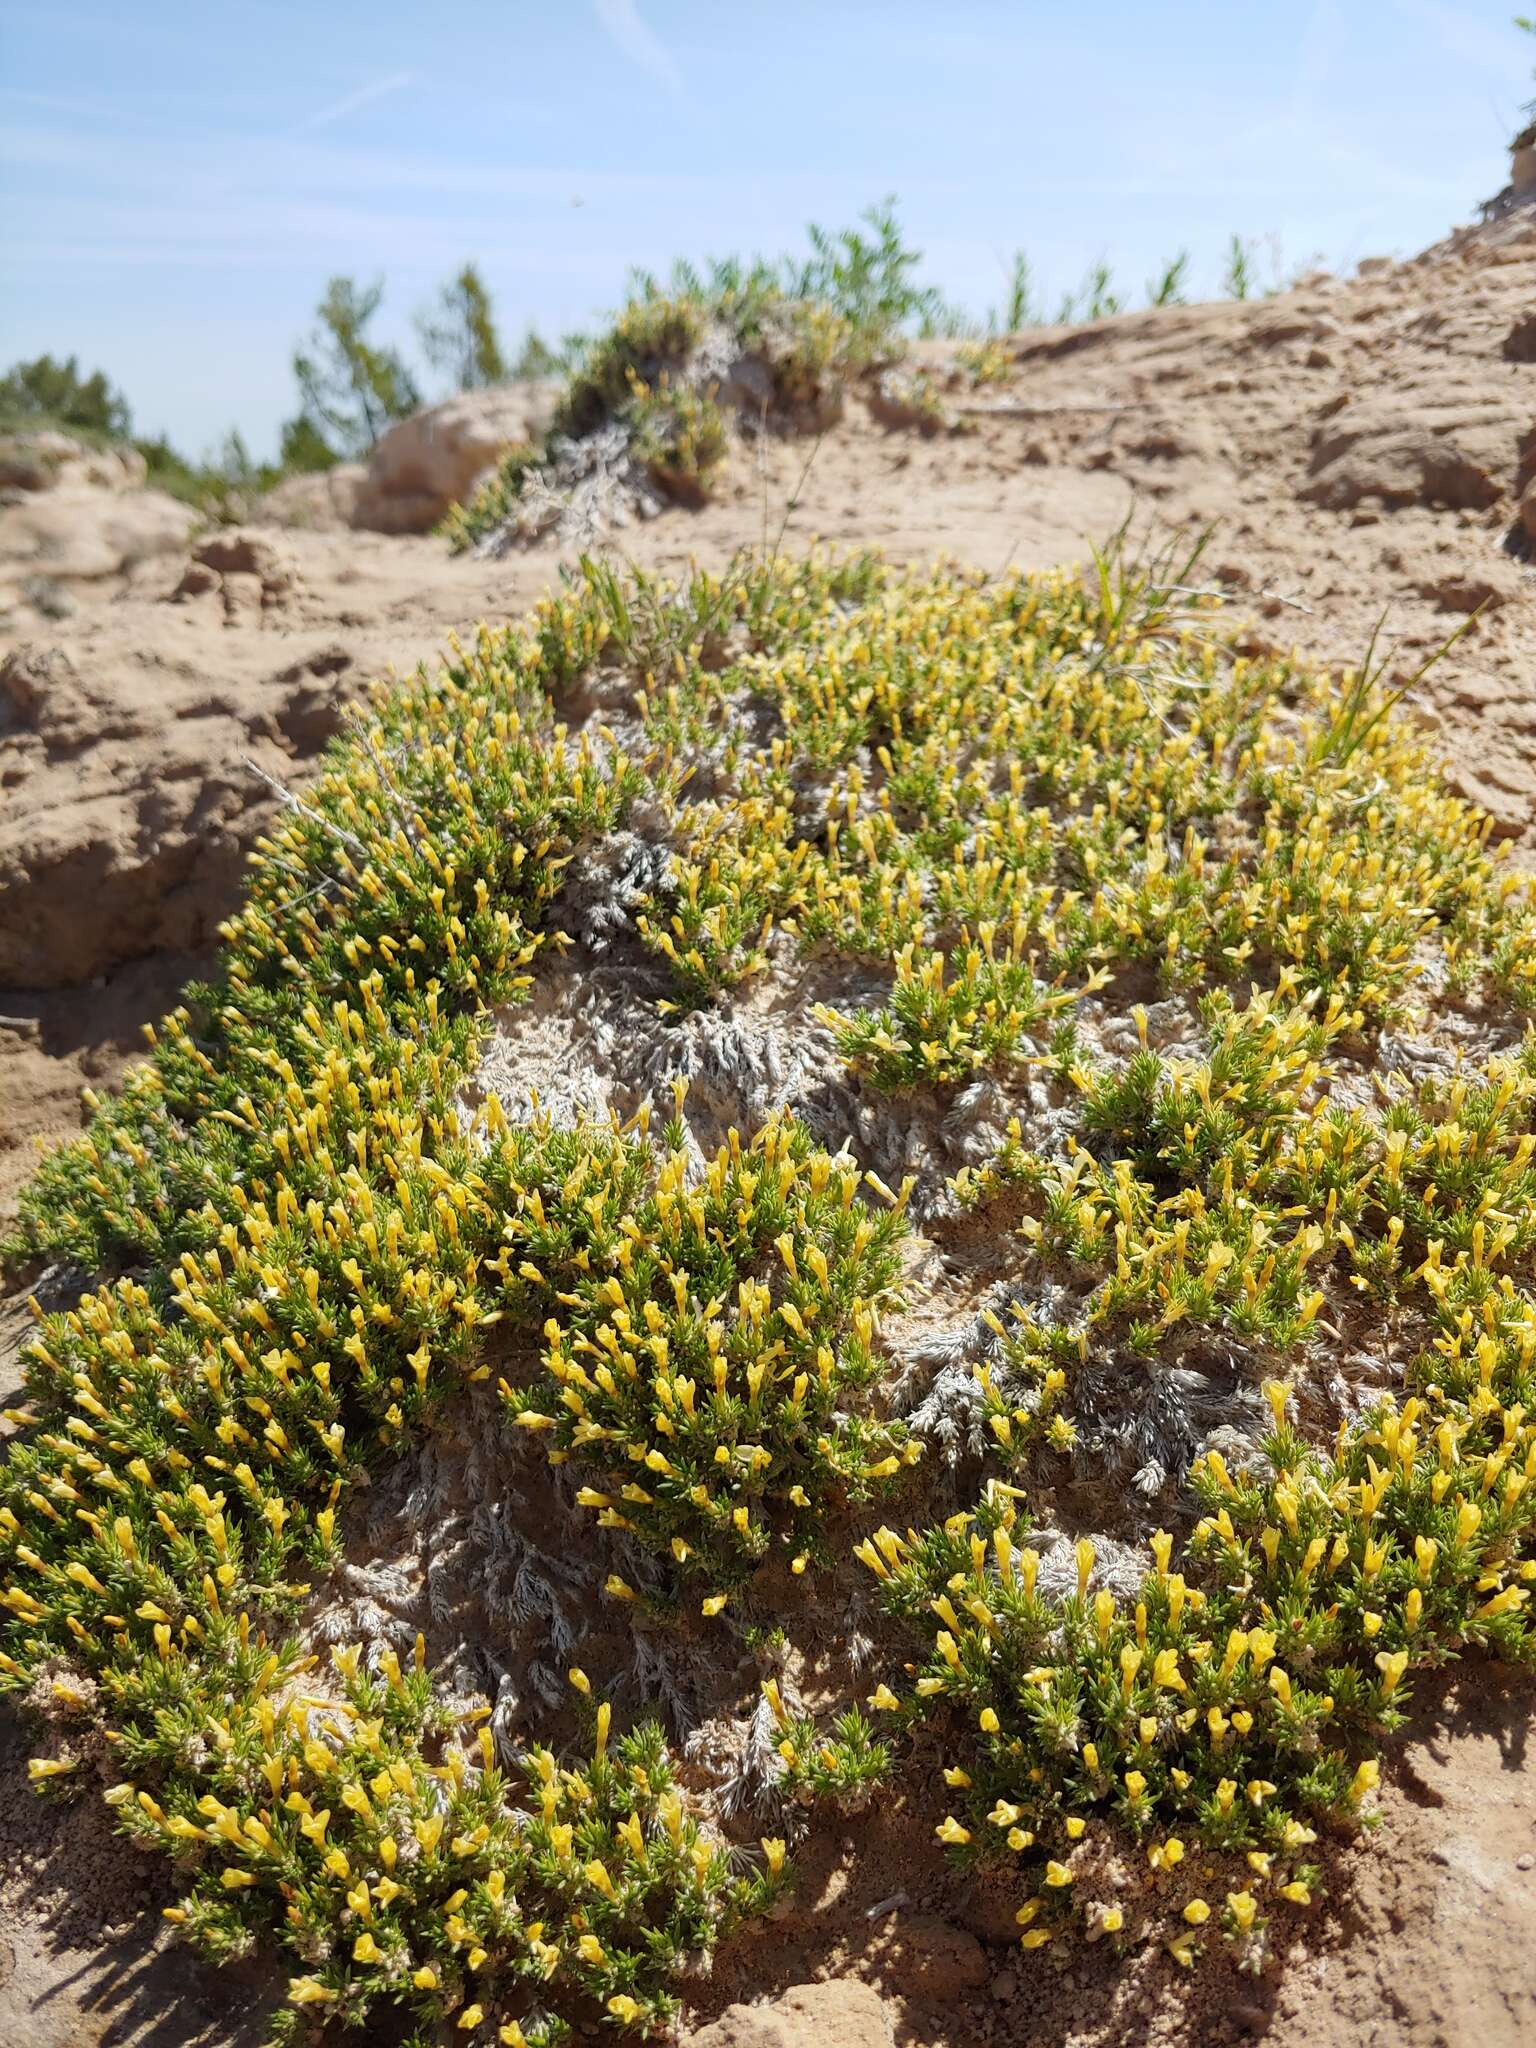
(243, 570)
(84, 535)
(838, 2014)
(128, 800)
(437, 457)
(322, 503)
(75, 514)
(1455, 458)
(45, 460)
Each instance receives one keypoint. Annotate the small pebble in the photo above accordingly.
(1525, 1862)
(1005, 1984)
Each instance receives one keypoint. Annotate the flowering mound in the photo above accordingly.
(645, 416)
(700, 1079)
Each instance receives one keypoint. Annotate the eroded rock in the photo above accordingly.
(839, 2014)
(248, 572)
(322, 503)
(1451, 459)
(437, 457)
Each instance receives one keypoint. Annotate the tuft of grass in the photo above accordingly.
(1169, 287)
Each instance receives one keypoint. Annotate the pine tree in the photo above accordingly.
(351, 389)
(461, 340)
(303, 448)
(55, 392)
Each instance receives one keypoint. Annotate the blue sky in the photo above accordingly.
(177, 181)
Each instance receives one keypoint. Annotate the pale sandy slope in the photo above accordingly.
(1361, 446)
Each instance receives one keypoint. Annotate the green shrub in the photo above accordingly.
(680, 437)
(650, 338)
(708, 1381)
(304, 1243)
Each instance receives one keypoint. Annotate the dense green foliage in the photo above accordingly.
(52, 394)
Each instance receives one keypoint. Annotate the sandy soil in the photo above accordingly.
(1361, 446)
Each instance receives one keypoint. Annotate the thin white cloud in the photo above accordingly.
(621, 22)
(363, 97)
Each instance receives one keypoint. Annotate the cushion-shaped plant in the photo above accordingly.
(745, 1060)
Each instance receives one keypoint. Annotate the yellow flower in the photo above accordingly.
(1243, 1906)
(1391, 1666)
(1085, 1557)
(1367, 1777)
(1197, 1912)
(1165, 1671)
(950, 1830)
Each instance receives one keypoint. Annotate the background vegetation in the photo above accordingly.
(351, 387)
